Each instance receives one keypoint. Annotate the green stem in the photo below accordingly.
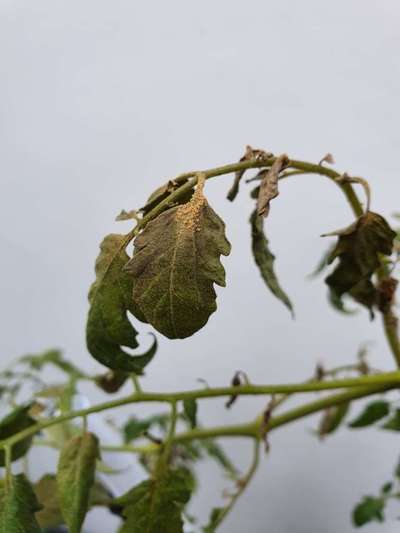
(253, 429)
(384, 380)
(242, 483)
(136, 383)
(167, 445)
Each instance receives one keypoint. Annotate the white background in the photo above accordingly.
(100, 102)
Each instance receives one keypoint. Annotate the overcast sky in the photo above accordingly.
(100, 102)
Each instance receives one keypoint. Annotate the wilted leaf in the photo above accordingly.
(358, 250)
(372, 413)
(16, 421)
(190, 409)
(18, 505)
(108, 327)
(394, 422)
(269, 185)
(370, 509)
(175, 264)
(322, 263)
(332, 419)
(112, 380)
(156, 505)
(265, 259)
(250, 153)
(75, 477)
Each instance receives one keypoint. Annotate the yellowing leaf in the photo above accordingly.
(358, 250)
(108, 327)
(18, 505)
(265, 259)
(174, 266)
(75, 477)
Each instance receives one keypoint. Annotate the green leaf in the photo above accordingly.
(156, 505)
(16, 421)
(265, 259)
(75, 478)
(372, 413)
(369, 510)
(215, 516)
(216, 452)
(190, 410)
(394, 422)
(135, 427)
(387, 487)
(18, 505)
(358, 249)
(175, 264)
(332, 419)
(108, 327)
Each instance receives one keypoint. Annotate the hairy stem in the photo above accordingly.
(385, 381)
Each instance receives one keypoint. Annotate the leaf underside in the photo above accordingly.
(174, 266)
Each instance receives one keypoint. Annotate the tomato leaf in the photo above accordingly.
(18, 505)
(75, 478)
(175, 264)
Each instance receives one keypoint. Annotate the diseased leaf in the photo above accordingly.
(358, 250)
(269, 185)
(369, 510)
(156, 505)
(175, 264)
(332, 419)
(16, 421)
(372, 413)
(75, 478)
(18, 505)
(190, 409)
(265, 259)
(108, 327)
(394, 422)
